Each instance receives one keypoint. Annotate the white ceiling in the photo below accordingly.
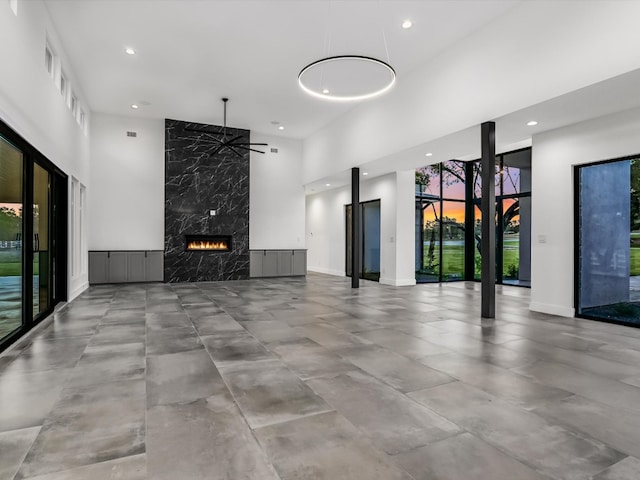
(193, 52)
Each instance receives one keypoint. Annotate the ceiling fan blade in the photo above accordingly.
(247, 148)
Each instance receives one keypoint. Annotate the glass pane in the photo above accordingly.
(453, 241)
(371, 240)
(428, 181)
(453, 180)
(516, 172)
(40, 239)
(477, 236)
(429, 270)
(606, 288)
(10, 238)
(349, 247)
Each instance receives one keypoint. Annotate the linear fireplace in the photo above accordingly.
(207, 243)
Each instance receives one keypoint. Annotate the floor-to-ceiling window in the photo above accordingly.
(32, 236)
(449, 221)
(608, 241)
(370, 241)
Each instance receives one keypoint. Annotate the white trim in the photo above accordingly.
(402, 282)
(78, 290)
(328, 271)
(559, 310)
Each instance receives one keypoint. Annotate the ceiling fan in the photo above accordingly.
(233, 144)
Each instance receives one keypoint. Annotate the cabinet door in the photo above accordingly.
(299, 262)
(269, 263)
(255, 263)
(155, 267)
(117, 267)
(98, 267)
(285, 262)
(136, 266)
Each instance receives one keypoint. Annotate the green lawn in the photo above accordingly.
(11, 263)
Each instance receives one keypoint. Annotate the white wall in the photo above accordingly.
(498, 70)
(126, 199)
(31, 103)
(554, 155)
(277, 203)
(325, 227)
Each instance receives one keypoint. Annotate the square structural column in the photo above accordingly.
(355, 228)
(488, 208)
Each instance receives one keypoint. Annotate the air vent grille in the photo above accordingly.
(132, 134)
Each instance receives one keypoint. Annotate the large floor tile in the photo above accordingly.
(14, 446)
(308, 359)
(89, 425)
(627, 469)
(181, 377)
(546, 446)
(207, 438)
(325, 447)
(109, 363)
(235, 347)
(126, 468)
(267, 392)
(464, 457)
(393, 422)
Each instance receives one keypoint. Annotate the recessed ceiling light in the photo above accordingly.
(532, 123)
(365, 173)
(407, 24)
(325, 91)
(428, 154)
(281, 127)
(327, 184)
(134, 106)
(129, 51)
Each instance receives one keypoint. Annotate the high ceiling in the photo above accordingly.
(190, 53)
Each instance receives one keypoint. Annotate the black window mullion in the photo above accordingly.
(27, 241)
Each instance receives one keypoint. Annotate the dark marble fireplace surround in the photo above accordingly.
(197, 182)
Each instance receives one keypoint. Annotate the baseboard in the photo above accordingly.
(406, 282)
(552, 309)
(78, 290)
(327, 271)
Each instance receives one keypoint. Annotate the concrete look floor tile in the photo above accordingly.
(172, 340)
(267, 392)
(402, 344)
(324, 447)
(601, 389)
(502, 383)
(548, 447)
(207, 438)
(394, 369)
(598, 420)
(181, 377)
(215, 324)
(14, 446)
(27, 398)
(329, 336)
(126, 468)
(109, 363)
(393, 422)
(43, 354)
(160, 321)
(463, 457)
(119, 334)
(89, 425)
(235, 347)
(626, 469)
(309, 360)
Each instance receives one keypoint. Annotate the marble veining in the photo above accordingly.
(196, 181)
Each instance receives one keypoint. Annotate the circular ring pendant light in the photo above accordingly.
(347, 78)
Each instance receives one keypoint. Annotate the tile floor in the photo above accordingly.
(308, 379)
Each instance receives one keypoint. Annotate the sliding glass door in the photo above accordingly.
(33, 231)
(11, 233)
(370, 247)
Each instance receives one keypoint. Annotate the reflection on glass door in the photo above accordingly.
(41, 194)
(11, 167)
(370, 251)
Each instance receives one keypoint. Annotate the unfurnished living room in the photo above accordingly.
(319, 239)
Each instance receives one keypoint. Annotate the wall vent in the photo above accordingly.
(274, 150)
(132, 134)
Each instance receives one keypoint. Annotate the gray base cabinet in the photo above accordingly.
(278, 263)
(126, 266)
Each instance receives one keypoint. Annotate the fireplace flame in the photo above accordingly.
(207, 245)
